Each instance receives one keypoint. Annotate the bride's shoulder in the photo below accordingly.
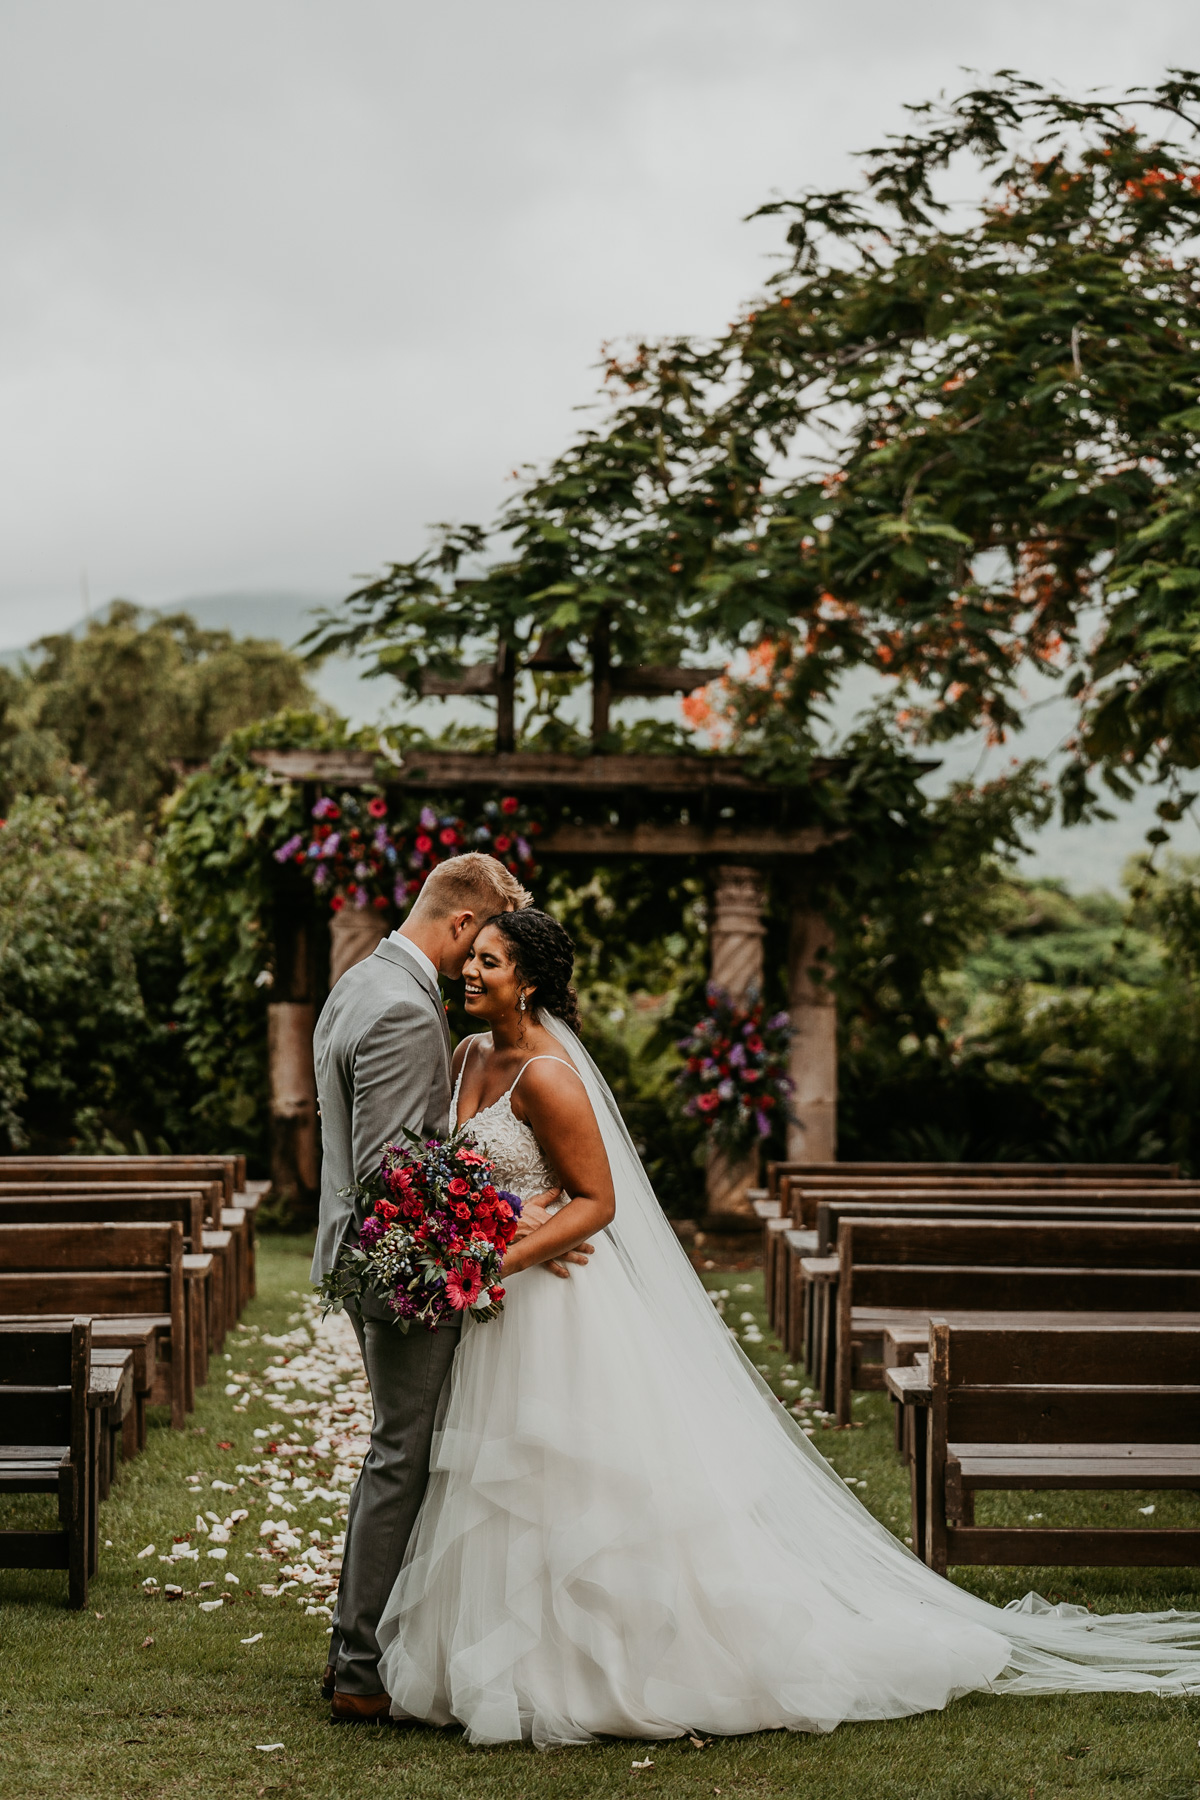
(549, 1081)
(477, 1042)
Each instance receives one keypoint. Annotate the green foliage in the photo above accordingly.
(90, 1054)
(919, 452)
(1069, 1028)
(225, 888)
(134, 698)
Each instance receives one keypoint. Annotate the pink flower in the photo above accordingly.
(377, 807)
(708, 1102)
(464, 1288)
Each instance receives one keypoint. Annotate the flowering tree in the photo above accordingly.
(943, 440)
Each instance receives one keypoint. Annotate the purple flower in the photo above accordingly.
(725, 1090)
(763, 1123)
(286, 851)
(400, 893)
(372, 1231)
(329, 847)
(320, 876)
(523, 850)
(360, 896)
(402, 1304)
(779, 1021)
(381, 837)
(428, 818)
(737, 1055)
(323, 806)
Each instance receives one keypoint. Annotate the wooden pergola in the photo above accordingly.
(704, 807)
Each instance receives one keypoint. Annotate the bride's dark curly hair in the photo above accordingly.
(545, 957)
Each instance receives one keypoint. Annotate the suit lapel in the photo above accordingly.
(390, 953)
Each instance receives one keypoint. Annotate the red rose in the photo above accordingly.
(337, 903)
(503, 1209)
(377, 807)
(709, 1102)
(489, 1192)
(385, 1210)
(496, 1295)
(458, 1186)
(503, 843)
(754, 1045)
(448, 836)
(380, 901)
(462, 1210)
(424, 844)
(509, 804)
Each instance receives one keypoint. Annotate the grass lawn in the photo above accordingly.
(90, 1709)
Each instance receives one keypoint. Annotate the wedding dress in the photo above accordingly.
(624, 1534)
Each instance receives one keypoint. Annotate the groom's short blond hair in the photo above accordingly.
(473, 882)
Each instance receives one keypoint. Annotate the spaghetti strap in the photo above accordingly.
(544, 1057)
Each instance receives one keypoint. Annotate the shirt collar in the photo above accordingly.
(417, 954)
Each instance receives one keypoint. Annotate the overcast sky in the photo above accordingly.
(284, 281)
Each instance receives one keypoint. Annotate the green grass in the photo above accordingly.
(88, 1710)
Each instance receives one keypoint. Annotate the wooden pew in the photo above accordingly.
(893, 1267)
(802, 1196)
(114, 1271)
(908, 1170)
(45, 1442)
(1112, 1407)
(801, 1267)
(236, 1284)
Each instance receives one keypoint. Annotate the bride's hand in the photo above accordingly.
(534, 1212)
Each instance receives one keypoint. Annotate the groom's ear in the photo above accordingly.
(461, 922)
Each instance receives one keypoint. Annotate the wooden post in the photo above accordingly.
(291, 1019)
(813, 1061)
(601, 679)
(506, 699)
(354, 933)
(736, 952)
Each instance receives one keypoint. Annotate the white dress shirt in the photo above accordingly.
(418, 955)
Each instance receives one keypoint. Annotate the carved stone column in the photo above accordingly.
(353, 935)
(813, 1061)
(736, 951)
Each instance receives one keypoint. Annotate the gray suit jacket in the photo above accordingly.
(382, 1050)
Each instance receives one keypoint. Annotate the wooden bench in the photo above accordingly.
(1113, 1407)
(225, 1232)
(114, 1339)
(114, 1271)
(895, 1266)
(802, 1198)
(907, 1171)
(44, 1444)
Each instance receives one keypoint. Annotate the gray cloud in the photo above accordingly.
(284, 281)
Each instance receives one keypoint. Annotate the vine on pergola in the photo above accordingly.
(945, 443)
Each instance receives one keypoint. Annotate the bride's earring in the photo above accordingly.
(521, 1004)
(521, 1020)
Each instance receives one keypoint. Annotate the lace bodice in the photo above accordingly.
(520, 1165)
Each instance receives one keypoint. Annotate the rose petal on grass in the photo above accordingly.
(254, 1639)
(148, 1551)
(268, 1746)
(146, 1643)
(210, 1605)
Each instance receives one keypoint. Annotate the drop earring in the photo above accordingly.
(521, 1004)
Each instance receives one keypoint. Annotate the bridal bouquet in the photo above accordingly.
(434, 1239)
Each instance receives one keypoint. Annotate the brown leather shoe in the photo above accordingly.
(361, 1709)
(328, 1682)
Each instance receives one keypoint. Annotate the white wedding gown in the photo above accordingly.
(624, 1534)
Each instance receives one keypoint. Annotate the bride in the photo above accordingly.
(624, 1534)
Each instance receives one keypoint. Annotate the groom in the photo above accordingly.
(382, 1050)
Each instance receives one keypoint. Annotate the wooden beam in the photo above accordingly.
(446, 771)
(354, 767)
(685, 840)
(659, 678)
(475, 678)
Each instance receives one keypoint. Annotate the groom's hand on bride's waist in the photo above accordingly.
(534, 1215)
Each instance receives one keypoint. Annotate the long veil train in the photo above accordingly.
(797, 1497)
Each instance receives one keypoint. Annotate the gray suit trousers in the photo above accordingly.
(406, 1374)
